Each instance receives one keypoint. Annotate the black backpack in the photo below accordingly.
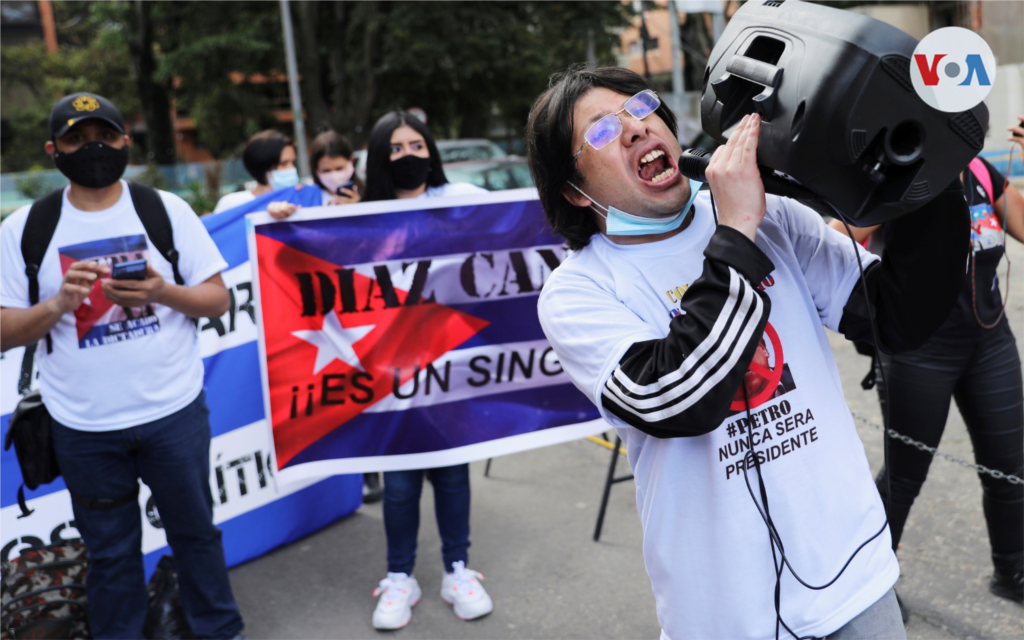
(43, 593)
(29, 429)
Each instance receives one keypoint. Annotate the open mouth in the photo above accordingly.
(655, 167)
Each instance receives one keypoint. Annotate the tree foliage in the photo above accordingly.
(212, 51)
(94, 58)
(464, 63)
(474, 67)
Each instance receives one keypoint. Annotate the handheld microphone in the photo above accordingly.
(694, 162)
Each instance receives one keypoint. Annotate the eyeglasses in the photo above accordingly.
(607, 129)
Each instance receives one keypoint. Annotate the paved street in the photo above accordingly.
(532, 525)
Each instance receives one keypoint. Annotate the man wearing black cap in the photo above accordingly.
(120, 370)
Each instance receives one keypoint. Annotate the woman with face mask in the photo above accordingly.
(403, 162)
(334, 167)
(269, 158)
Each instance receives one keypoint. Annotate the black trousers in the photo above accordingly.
(981, 369)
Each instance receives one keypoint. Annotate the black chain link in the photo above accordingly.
(980, 468)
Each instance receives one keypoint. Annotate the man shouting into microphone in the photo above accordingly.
(701, 338)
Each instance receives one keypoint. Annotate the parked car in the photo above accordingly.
(494, 175)
(451, 151)
(469, 149)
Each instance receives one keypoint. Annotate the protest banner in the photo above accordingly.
(404, 334)
(254, 514)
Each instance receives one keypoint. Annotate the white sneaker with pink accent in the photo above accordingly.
(398, 593)
(462, 588)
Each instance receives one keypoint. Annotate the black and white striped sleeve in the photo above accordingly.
(683, 384)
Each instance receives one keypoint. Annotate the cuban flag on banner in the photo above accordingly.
(404, 334)
(255, 514)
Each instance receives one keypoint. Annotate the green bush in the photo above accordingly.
(32, 184)
(199, 198)
(152, 177)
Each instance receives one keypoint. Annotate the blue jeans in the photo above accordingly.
(880, 621)
(402, 490)
(172, 456)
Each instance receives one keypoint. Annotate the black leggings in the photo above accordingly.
(984, 376)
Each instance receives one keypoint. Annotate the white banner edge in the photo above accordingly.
(446, 457)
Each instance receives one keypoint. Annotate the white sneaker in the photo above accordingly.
(398, 593)
(463, 589)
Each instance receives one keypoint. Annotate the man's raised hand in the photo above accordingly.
(735, 180)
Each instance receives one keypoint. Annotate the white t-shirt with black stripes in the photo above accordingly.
(706, 547)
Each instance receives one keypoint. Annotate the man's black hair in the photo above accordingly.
(379, 185)
(549, 147)
(263, 153)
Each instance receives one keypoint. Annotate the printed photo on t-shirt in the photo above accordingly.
(775, 425)
(99, 321)
(767, 377)
(986, 232)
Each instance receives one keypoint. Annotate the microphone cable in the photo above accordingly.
(780, 561)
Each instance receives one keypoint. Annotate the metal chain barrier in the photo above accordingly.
(980, 468)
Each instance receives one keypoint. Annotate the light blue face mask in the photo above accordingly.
(620, 223)
(282, 178)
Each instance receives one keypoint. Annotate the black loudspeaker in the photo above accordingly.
(839, 112)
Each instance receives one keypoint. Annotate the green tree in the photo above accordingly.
(469, 65)
(220, 56)
(95, 59)
(464, 63)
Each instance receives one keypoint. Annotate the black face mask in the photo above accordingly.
(409, 172)
(95, 166)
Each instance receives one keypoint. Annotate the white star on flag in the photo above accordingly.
(333, 342)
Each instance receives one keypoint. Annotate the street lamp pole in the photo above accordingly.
(680, 107)
(293, 90)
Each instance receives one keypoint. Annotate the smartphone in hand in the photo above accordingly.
(134, 270)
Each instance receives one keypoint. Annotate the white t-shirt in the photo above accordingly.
(706, 547)
(451, 189)
(232, 200)
(110, 370)
(446, 189)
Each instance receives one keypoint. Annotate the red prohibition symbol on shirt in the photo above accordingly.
(765, 372)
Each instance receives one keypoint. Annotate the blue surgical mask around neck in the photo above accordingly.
(281, 178)
(620, 223)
